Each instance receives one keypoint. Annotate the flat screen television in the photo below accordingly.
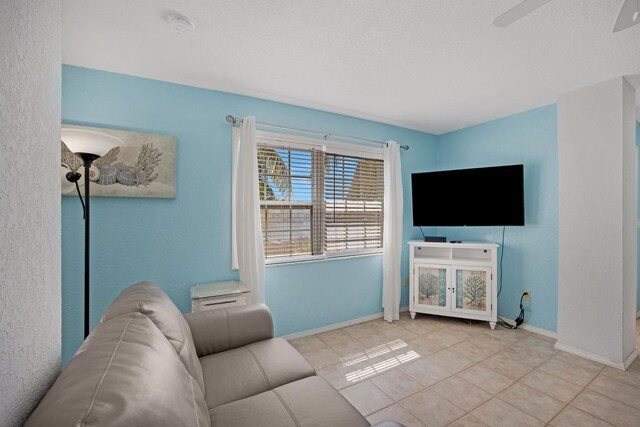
(469, 197)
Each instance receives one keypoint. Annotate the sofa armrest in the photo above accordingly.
(223, 329)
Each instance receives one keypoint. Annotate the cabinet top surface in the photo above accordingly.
(454, 245)
(217, 289)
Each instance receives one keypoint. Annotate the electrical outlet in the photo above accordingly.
(406, 282)
(528, 296)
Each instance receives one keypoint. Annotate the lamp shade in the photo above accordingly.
(89, 142)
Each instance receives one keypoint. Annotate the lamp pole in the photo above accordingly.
(88, 146)
(87, 158)
(87, 246)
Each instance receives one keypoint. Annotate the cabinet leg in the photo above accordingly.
(492, 324)
(413, 314)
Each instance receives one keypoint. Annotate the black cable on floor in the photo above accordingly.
(519, 321)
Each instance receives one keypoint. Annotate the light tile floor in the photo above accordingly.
(435, 371)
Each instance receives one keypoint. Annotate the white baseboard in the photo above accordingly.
(632, 357)
(597, 358)
(335, 326)
(540, 331)
(563, 347)
(534, 329)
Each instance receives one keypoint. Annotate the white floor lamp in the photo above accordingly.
(89, 146)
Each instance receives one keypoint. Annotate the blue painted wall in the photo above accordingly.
(531, 252)
(180, 242)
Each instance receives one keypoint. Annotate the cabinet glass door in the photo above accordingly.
(432, 286)
(472, 290)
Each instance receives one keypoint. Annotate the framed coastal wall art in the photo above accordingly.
(144, 165)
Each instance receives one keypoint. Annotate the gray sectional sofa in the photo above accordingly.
(146, 364)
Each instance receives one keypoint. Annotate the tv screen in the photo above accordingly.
(469, 197)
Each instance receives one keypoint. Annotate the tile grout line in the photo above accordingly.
(584, 388)
(576, 396)
(430, 354)
(614, 379)
(385, 407)
(364, 353)
(452, 375)
(471, 334)
(609, 397)
(506, 343)
(429, 386)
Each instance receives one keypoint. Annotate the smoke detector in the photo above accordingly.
(180, 24)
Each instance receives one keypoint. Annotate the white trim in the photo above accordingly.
(539, 331)
(355, 150)
(285, 203)
(335, 326)
(352, 322)
(597, 358)
(449, 245)
(332, 147)
(303, 259)
(534, 329)
(293, 141)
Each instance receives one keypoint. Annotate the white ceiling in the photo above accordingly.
(430, 65)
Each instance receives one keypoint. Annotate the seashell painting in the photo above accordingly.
(128, 177)
(94, 173)
(108, 175)
(144, 165)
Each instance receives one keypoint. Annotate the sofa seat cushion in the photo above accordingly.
(125, 374)
(150, 300)
(250, 370)
(310, 402)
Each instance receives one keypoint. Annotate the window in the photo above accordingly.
(353, 198)
(289, 205)
(319, 200)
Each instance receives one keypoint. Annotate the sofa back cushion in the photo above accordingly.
(150, 300)
(125, 374)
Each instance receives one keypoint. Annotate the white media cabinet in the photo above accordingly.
(454, 279)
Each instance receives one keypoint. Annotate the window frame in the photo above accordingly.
(274, 139)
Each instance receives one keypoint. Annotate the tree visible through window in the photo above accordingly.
(316, 203)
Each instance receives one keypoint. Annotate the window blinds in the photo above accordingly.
(315, 203)
(288, 200)
(353, 196)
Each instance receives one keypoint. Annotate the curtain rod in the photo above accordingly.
(325, 135)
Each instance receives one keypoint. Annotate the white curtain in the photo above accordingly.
(246, 246)
(392, 236)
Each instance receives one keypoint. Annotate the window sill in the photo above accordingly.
(307, 259)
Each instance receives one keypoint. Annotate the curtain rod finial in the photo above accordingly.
(230, 119)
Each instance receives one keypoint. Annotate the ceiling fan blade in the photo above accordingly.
(520, 10)
(628, 11)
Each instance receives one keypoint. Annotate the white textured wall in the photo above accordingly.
(630, 219)
(30, 51)
(597, 192)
